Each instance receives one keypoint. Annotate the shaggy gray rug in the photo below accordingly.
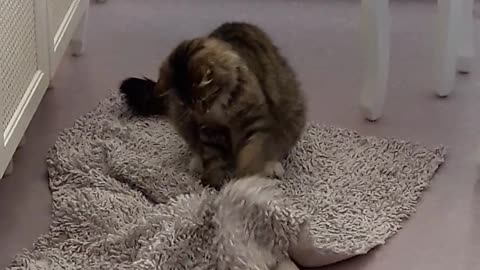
(123, 199)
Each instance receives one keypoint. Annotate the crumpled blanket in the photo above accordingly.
(123, 198)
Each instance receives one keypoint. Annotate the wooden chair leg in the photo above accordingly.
(376, 40)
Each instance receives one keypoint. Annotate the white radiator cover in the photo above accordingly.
(19, 59)
(34, 36)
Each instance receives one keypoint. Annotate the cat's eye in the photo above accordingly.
(204, 83)
(207, 78)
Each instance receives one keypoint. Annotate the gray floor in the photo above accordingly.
(321, 38)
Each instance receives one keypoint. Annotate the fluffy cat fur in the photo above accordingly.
(233, 98)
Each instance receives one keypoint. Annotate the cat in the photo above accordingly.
(232, 97)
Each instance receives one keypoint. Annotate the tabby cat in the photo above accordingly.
(232, 97)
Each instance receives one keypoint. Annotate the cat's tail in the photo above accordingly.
(141, 98)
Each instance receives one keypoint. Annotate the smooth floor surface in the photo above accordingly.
(322, 41)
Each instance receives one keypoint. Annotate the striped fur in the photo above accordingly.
(233, 98)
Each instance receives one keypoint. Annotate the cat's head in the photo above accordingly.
(198, 71)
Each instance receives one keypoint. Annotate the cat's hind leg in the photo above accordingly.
(251, 159)
(257, 158)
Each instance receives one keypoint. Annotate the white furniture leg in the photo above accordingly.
(23, 141)
(448, 18)
(466, 48)
(376, 40)
(9, 169)
(79, 37)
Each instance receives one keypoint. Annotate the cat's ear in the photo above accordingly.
(207, 78)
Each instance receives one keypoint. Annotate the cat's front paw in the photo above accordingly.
(195, 165)
(274, 169)
(213, 179)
